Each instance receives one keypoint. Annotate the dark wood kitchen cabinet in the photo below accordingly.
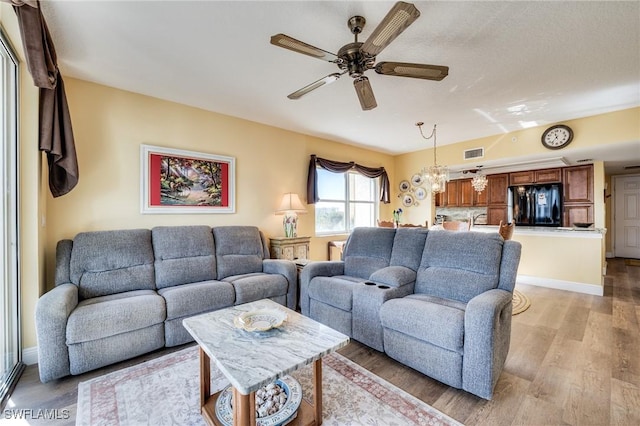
(577, 189)
(497, 198)
(465, 193)
(578, 184)
(548, 176)
(530, 177)
(451, 193)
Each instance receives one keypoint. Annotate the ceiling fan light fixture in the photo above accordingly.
(365, 93)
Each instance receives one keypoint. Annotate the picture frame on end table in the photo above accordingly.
(175, 181)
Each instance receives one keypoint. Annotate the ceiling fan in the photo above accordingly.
(356, 58)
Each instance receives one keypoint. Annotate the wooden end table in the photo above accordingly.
(300, 341)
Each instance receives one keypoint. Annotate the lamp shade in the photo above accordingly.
(291, 203)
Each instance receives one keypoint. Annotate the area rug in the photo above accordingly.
(520, 302)
(165, 391)
(632, 262)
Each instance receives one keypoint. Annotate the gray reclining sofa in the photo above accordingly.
(437, 301)
(119, 294)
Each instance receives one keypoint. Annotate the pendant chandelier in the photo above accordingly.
(435, 176)
(479, 182)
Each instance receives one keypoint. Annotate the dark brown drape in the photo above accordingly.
(56, 134)
(339, 167)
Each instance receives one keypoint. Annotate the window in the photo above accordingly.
(346, 201)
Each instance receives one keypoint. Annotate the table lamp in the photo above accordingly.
(290, 207)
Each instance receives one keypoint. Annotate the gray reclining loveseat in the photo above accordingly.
(437, 301)
(120, 294)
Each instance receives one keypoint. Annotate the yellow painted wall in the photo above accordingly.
(31, 194)
(110, 125)
(561, 258)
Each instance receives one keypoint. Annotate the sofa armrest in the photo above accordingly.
(52, 312)
(316, 269)
(487, 331)
(287, 269)
(394, 276)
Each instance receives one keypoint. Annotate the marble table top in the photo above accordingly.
(250, 360)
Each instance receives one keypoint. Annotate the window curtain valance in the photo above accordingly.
(340, 167)
(55, 132)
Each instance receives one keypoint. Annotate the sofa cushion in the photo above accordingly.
(108, 262)
(408, 245)
(195, 298)
(367, 250)
(426, 319)
(459, 265)
(252, 287)
(336, 291)
(394, 276)
(106, 316)
(239, 250)
(183, 254)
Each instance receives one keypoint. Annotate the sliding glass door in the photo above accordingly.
(10, 361)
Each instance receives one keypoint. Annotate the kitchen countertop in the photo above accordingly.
(550, 231)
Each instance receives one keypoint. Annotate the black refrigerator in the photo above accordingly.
(535, 205)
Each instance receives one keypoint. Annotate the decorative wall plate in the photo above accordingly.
(420, 193)
(407, 200)
(405, 185)
(417, 179)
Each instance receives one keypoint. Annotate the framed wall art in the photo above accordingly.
(183, 182)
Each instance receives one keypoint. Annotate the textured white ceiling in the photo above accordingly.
(511, 63)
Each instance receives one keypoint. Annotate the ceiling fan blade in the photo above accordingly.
(403, 69)
(313, 86)
(282, 40)
(397, 20)
(365, 93)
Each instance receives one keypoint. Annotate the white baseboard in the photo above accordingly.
(596, 290)
(30, 355)
(609, 255)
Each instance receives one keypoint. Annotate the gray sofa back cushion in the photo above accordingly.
(239, 250)
(183, 254)
(109, 262)
(459, 265)
(407, 247)
(367, 250)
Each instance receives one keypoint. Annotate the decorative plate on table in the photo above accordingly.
(405, 185)
(420, 193)
(288, 411)
(260, 320)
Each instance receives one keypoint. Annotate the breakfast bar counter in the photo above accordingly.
(564, 258)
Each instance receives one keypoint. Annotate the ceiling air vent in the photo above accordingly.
(471, 154)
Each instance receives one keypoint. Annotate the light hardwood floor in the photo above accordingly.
(574, 359)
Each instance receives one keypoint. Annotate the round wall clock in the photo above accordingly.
(557, 137)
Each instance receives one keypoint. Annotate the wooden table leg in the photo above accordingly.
(205, 378)
(244, 409)
(317, 391)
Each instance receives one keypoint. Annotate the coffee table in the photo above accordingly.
(251, 360)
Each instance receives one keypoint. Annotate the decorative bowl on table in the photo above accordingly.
(267, 398)
(582, 224)
(260, 320)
